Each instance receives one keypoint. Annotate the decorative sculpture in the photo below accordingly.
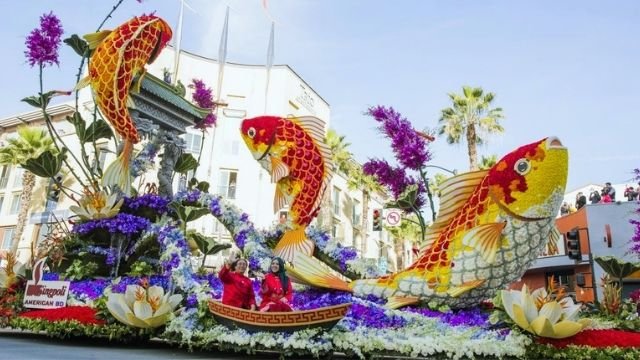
(492, 225)
(294, 152)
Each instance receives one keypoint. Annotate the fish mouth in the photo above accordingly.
(510, 212)
(266, 151)
(554, 143)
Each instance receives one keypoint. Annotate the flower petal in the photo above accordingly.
(116, 308)
(508, 301)
(520, 318)
(541, 326)
(529, 307)
(564, 329)
(155, 292)
(552, 311)
(158, 320)
(174, 300)
(134, 321)
(130, 294)
(142, 309)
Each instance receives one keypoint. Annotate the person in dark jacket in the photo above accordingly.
(581, 200)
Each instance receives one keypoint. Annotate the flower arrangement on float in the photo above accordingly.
(129, 260)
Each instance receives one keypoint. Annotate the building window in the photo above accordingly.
(15, 203)
(17, 177)
(336, 201)
(7, 236)
(227, 183)
(194, 141)
(356, 213)
(4, 176)
(1, 202)
(336, 231)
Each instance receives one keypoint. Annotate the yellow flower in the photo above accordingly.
(143, 308)
(539, 315)
(10, 271)
(97, 205)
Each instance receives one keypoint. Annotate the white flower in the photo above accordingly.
(10, 271)
(97, 205)
(539, 315)
(143, 308)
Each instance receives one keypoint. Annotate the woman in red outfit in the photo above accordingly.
(276, 289)
(237, 289)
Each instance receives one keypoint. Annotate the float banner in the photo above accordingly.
(41, 294)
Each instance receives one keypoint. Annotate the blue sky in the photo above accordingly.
(563, 68)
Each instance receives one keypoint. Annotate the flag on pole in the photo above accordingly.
(222, 53)
(270, 55)
(178, 39)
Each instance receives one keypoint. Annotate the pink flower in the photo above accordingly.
(43, 43)
(203, 97)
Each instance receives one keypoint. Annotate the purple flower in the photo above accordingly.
(154, 202)
(467, 317)
(192, 301)
(43, 43)
(394, 178)
(92, 289)
(635, 239)
(203, 97)
(409, 147)
(155, 280)
(126, 224)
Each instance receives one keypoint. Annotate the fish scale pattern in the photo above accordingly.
(306, 168)
(115, 62)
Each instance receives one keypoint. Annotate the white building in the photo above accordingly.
(225, 161)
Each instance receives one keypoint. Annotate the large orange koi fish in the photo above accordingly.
(294, 152)
(119, 56)
(492, 225)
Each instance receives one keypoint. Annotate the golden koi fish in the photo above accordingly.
(119, 56)
(294, 152)
(492, 225)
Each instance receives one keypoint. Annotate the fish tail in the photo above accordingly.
(117, 173)
(310, 271)
(292, 241)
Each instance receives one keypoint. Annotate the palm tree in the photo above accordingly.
(340, 155)
(486, 162)
(472, 117)
(30, 143)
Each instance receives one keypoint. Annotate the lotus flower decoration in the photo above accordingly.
(97, 205)
(143, 307)
(10, 272)
(543, 314)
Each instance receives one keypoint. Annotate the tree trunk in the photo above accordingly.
(365, 222)
(471, 144)
(28, 182)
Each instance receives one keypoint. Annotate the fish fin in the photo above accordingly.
(486, 238)
(310, 271)
(278, 169)
(552, 243)
(82, 83)
(315, 127)
(130, 103)
(94, 39)
(454, 193)
(279, 199)
(294, 241)
(117, 173)
(396, 302)
(467, 286)
(138, 83)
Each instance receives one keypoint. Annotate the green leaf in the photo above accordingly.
(193, 213)
(616, 267)
(34, 101)
(203, 186)
(79, 124)
(98, 129)
(46, 165)
(206, 244)
(46, 97)
(77, 44)
(406, 200)
(185, 163)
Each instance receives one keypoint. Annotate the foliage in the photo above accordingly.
(70, 329)
(536, 351)
(79, 270)
(471, 117)
(141, 268)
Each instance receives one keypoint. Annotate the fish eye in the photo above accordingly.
(522, 166)
(251, 132)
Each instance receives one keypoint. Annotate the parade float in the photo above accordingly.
(121, 269)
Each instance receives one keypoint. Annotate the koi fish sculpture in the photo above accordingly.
(118, 56)
(294, 152)
(492, 225)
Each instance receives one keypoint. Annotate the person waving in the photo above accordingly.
(237, 288)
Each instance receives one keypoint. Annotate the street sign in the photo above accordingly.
(393, 217)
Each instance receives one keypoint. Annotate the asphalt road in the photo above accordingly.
(22, 346)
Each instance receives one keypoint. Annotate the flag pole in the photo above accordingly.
(176, 56)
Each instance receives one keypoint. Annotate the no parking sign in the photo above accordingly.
(393, 217)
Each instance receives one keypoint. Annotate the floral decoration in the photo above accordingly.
(43, 42)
